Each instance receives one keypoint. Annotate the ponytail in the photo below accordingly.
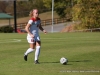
(31, 13)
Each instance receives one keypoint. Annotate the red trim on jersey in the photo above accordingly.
(35, 19)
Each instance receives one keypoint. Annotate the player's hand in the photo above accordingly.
(45, 31)
(32, 35)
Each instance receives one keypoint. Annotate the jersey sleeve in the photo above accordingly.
(39, 20)
(30, 22)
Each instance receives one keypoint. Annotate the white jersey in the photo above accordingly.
(34, 28)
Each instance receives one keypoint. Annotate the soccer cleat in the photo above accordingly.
(25, 57)
(36, 62)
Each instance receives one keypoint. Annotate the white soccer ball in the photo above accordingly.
(63, 61)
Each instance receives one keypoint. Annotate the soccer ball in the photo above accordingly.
(63, 61)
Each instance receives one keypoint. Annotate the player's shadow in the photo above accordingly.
(55, 62)
(51, 62)
(81, 61)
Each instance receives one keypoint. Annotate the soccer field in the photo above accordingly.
(81, 49)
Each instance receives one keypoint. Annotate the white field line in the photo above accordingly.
(19, 40)
(10, 40)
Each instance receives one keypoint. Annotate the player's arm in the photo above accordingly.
(41, 28)
(27, 30)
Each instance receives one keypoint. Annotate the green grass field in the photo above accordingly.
(81, 49)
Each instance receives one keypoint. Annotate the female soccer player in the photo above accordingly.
(33, 38)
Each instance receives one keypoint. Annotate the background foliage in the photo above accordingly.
(88, 12)
(6, 29)
(85, 11)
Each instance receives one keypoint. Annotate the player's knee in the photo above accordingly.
(38, 43)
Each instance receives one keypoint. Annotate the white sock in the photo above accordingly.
(29, 51)
(37, 52)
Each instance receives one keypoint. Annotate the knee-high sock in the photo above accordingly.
(29, 51)
(37, 52)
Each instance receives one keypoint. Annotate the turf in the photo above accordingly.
(81, 49)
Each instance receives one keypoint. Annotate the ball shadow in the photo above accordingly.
(81, 61)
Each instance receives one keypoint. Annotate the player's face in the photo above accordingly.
(35, 13)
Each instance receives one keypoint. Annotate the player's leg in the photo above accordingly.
(30, 49)
(37, 52)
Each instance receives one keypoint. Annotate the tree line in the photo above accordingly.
(86, 11)
(23, 7)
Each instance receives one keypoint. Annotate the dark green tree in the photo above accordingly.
(88, 12)
(62, 7)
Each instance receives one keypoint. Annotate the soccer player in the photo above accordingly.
(33, 38)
